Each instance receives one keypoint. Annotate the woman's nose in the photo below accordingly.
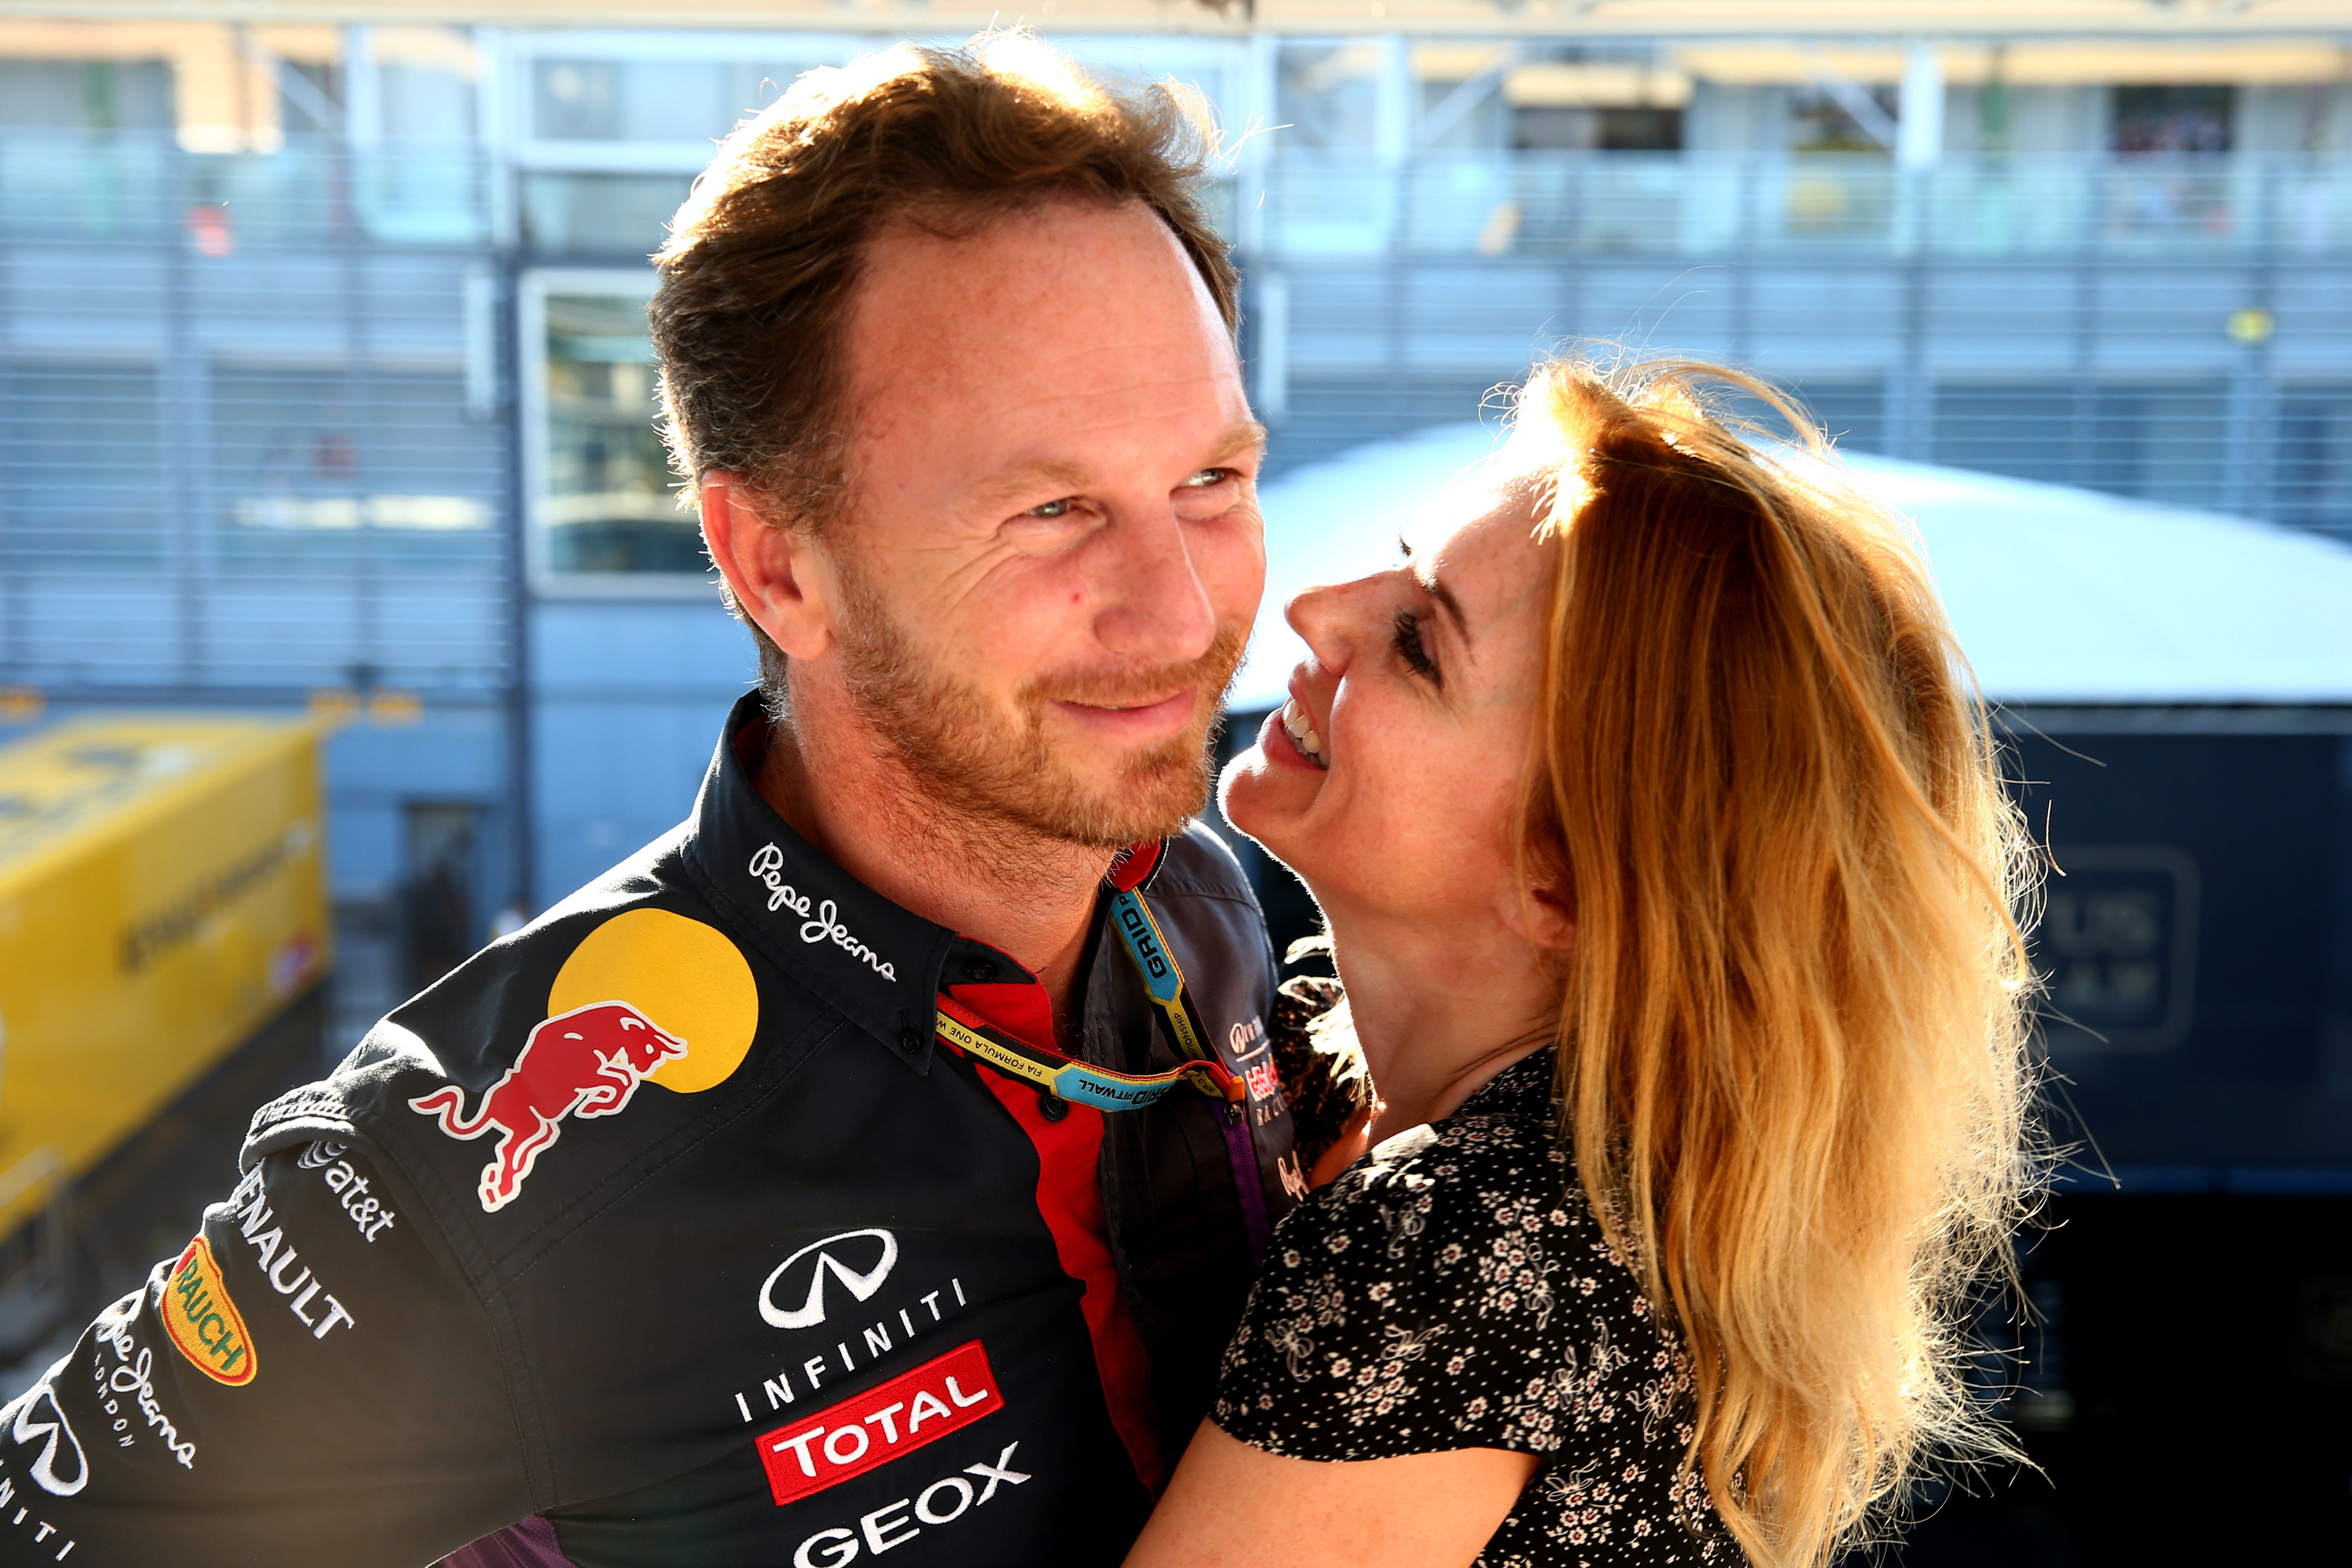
(1331, 616)
(1309, 608)
(1314, 615)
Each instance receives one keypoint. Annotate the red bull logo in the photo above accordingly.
(586, 1062)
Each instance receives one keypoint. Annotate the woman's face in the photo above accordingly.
(1390, 780)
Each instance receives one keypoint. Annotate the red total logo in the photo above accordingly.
(946, 1394)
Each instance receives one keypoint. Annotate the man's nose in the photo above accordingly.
(1158, 607)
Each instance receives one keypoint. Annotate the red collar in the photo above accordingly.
(1133, 866)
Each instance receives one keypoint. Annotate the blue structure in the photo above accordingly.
(346, 405)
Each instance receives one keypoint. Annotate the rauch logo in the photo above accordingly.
(202, 1322)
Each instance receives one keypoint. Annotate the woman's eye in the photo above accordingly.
(1410, 648)
(1052, 509)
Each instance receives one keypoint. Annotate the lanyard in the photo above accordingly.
(1131, 917)
(1104, 1088)
(1155, 960)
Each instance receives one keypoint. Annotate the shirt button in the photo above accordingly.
(1052, 1106)
(909, 1041)
(979, 971)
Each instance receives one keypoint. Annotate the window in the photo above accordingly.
(605, 216)
(644, 102)
(318, 470)
(61, 426)
(1629, 127)
(604, 514)
(87, 95)
(1327, 97)
(694, 101)
(1821, 122)
(2174, 118)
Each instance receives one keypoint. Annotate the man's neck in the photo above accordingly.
(1027, 895)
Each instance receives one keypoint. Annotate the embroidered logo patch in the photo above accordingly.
(586, 1062)
(861, 1282)
(946, 1394)
(202, 1322)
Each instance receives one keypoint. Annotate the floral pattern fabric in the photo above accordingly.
(1452, 1290)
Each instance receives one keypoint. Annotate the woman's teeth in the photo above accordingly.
(1301, 731)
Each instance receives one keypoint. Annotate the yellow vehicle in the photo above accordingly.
(161, 896)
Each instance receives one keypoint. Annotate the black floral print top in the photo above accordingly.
(1452, 1290)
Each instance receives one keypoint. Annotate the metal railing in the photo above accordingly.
(241, 445)
(241, 441)
(1540, 204)
(130, 188)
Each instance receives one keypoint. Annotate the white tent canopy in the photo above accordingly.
(2061, 596)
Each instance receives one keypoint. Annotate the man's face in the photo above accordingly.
(1050, 553)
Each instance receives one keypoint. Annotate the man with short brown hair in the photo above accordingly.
(876, 1163)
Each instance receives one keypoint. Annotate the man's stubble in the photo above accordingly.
(969, 760)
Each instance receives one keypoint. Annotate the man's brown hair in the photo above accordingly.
(761, 262)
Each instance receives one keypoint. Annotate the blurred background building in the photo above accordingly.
(325, 389)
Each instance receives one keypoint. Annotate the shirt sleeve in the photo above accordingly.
(1323, 1080)
(1431, 1299)
(1333, 1356)
(307, 1381)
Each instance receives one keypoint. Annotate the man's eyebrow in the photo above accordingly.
(1038, 474)
(1437, 591)
(1249, 436)
(1055, 474)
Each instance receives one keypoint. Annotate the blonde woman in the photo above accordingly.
(1672, 887)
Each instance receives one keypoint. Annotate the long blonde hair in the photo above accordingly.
(1793, 1059)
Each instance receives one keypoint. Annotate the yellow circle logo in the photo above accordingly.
(684, 976)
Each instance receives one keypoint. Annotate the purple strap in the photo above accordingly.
(530, 1544)
(1248, 1181)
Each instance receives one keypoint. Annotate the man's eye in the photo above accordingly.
(1052, 509)
(1208, 477)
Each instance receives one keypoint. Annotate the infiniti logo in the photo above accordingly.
(60, 1469)
(321, 1154)
(862, 1283)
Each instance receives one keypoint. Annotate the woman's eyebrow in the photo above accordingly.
(1437, 591)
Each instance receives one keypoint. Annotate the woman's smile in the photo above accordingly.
(1299, 725)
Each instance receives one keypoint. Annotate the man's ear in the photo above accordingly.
(779, 579)
(1545, 918)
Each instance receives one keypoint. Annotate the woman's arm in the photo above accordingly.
(1233, 1504)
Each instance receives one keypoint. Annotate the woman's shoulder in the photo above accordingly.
(1452, 1288)
(1488, 1195)
(1500, 1150)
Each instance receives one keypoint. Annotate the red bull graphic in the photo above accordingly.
(586, 1062)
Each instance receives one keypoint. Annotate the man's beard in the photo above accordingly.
(969, 760)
